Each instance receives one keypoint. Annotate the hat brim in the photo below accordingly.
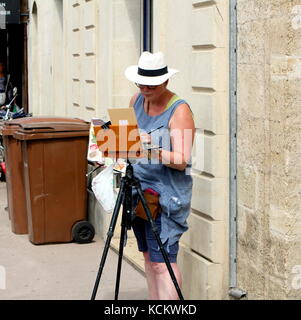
(132, 75)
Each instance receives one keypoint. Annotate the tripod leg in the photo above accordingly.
(125, 224)
(157, 236)
(121, 246)
(109, 238)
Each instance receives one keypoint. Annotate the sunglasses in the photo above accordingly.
(141, 86)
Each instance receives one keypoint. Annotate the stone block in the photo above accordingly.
(285, 99)
(250, 237)
(251, 38)
(205, 237)
(207, 24)
(75, 67)
(126, 21)
(76, 92)
(285, 195)
(210, 111)
(210, 196)
(198, 151)
(207, 68)
(250, 91)
(288, 137)
(278, 255)
(76, 37)
(89, 98)
(202, 280)
(124, 53)
(216, 155)
(210, 154)
(90, 41)
(250, 187)
(89, 14)
(76, 21)
(253, 10)
(249, 278)
(285, 67)
(248, 136)
(89, 68)
(276, 289)
(279, 9)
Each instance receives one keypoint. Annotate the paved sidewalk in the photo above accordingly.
(59, 271)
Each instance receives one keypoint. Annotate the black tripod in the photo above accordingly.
(128, 182)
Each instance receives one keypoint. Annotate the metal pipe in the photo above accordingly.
(237, 293)
(233, 291)
(147, 14)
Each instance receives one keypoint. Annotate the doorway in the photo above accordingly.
(13, 52)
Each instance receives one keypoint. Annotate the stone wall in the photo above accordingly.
(269, 146)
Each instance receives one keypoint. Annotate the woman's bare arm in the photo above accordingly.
(182, 131)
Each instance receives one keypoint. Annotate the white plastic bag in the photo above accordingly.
(102, 186)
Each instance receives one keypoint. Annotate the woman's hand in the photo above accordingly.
(145, 138)
(150, 150)
(146, 142)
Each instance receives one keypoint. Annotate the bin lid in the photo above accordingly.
(35, 125)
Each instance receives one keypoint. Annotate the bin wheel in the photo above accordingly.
(83, 232)
(2, 176)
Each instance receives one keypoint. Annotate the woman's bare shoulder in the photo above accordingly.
(182, 117)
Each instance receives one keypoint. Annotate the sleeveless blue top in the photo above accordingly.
(174, 186)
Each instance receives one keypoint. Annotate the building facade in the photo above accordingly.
(78, 51)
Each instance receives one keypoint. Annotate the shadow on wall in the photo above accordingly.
(133, 10)
(59, 11)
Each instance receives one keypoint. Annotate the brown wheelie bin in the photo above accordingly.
(14, 175)
(54, 160)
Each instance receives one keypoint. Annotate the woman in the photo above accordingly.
(169, 118)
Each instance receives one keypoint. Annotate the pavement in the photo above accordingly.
(65, 271)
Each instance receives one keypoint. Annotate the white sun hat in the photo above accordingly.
(151, 70)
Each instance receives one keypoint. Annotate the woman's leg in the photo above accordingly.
(139, 226)
(150, 278)
(164, 285)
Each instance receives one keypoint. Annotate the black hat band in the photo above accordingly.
(152, 73)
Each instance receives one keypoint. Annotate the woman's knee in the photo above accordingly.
(158, 267)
